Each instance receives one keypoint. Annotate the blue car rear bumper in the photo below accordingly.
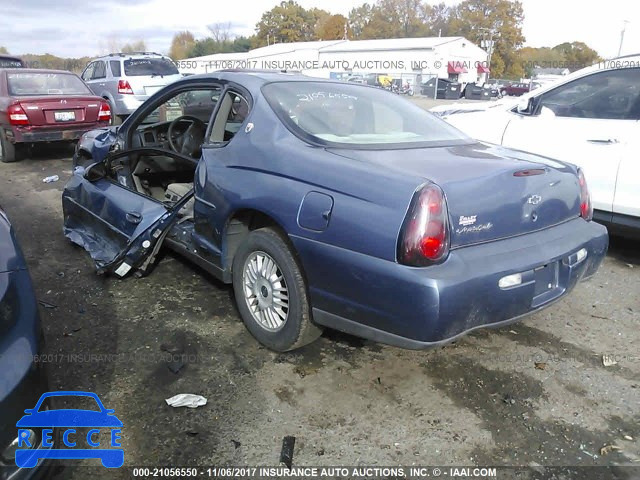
(23, 379)
(424, 307)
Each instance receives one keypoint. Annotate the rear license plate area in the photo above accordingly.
(546, 278)
(64, 116)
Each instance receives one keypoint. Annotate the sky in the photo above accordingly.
(75, 28)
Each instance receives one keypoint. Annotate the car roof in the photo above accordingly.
(258, 77)
(125, 56)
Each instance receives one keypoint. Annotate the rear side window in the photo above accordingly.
(88, 72)
(138, 67)
(611, 95)
(100, 71)
(46, 84)
(115, 67)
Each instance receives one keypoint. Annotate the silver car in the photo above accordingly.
(126, 80)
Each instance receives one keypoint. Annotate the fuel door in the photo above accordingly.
(315, 211)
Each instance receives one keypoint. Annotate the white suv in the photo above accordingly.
(126, 80)
(590, 118)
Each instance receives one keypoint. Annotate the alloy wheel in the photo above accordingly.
(265, 291)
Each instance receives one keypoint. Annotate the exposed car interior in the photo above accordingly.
(179, 126)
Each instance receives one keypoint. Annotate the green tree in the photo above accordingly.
(474, 19)
(286, 22)
(359, 17)
(332, 28)
(135, 46)
(181, 45)
(397, 19)
(437, 18)
(577, 55)
(209, 46)
(4, 50)
(531, 57)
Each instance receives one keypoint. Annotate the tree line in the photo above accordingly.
(477, 20)
(499, 21)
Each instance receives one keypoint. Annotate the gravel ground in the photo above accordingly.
(534, 393)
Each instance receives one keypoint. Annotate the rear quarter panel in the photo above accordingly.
(270, 170)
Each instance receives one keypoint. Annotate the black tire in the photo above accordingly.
(298, 329)
(10, 152)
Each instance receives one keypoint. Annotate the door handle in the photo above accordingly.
(134, 217)
(603, 141)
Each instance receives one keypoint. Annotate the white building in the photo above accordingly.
(411, 59)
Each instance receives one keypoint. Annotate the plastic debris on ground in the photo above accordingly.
(186, 400)
(286, 454)
(51, 179)
(607, 449)
(46, 304)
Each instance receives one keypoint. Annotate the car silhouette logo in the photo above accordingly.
(28, 455)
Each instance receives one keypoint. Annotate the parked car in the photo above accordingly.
(481, 92)
(7, 61)
(357, 79)
(45, 106)
(517, 89)
(332, 204)
(23, 377)
(127, 80)
(590, 118)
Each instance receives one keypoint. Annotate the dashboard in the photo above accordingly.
(156, 135)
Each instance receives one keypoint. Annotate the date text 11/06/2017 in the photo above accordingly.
(317, 472)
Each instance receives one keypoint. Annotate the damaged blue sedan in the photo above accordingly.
(329, 204)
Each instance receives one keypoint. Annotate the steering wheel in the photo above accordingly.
(192, 137)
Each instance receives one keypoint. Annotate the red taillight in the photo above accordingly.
(17, 115)
(424, 238)
(124, 87)
(586, 208)
(104, 115)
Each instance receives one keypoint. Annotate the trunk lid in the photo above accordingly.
(60, 110)
(492, 192)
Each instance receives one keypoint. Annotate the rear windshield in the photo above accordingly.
(139, 67)
(46, 84)
(356, 115)
(10, 63)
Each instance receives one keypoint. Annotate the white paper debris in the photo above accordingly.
(608, 361)
(186, 400)
(123, 269)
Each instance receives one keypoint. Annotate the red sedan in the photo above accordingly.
(45, 106)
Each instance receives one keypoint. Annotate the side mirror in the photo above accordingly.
(95, 172)
(524, 105)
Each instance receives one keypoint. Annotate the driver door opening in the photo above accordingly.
(179, 124)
